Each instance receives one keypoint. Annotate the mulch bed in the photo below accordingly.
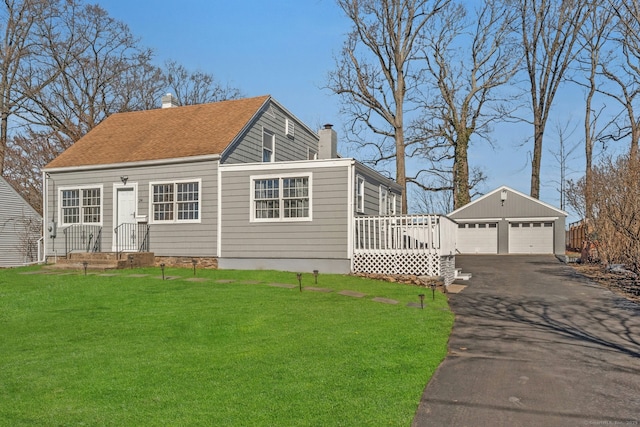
(624, 284)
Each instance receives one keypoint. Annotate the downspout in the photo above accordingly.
(219, 209)
(45, 199)
(350, 210)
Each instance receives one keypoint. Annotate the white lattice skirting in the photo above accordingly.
(397, 263)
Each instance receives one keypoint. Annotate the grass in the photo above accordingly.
(120, 350)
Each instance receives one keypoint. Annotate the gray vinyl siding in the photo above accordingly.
(515, 206)
(326, 236)
(166, 239)
(372, 182)
(20, 228)
(273, 118)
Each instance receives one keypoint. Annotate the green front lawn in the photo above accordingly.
(120, 350)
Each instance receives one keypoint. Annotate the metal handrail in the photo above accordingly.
(78, 237)
(97, 246)
(144, 246)
(131, 237)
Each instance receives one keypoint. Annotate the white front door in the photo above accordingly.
(126, 227)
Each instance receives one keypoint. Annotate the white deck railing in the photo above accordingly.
(432, 234)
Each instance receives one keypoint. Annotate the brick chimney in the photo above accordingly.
(168, 101)
(328, 143)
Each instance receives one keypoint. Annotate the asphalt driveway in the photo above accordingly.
(535, 344)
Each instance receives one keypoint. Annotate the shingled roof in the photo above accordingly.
(159, 134)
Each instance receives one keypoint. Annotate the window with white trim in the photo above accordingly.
(387, 204)
(312, 154)
(81, 205)
(175, 201)
(359, 194)
(282, 198)
(391, 207)
(268, 146)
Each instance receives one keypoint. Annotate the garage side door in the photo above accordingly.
(531, 238)
(477, 238)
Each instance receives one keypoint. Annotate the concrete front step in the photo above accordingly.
(462, 276)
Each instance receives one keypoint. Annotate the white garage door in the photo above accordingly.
(477, 238)
(531, 237)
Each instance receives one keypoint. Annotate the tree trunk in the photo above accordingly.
(536, 160)
(635, 137)
(461, 194)
(401, 174)
(588, 154)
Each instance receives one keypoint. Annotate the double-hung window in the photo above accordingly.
(268, 146)
(359, 194)
(387, 201)
(81, 205)
(175, 201)
(281, 198)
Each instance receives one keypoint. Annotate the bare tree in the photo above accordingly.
(615, 224)
(27, 154)
(594, 36)
(375, 74)
(98, 68)
(101, 70)
(563, 156)
(550, 32)
(466, 61)
(623, 70)
(20, 52)
(196, 87)
(433, 202)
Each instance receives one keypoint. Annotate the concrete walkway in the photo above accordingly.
(535, 344)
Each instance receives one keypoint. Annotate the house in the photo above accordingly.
(506, 221)
(242, 182)
(20, 228)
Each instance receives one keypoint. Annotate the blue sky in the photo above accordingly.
(285, 48)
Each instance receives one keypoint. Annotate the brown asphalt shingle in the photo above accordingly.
(165, 133)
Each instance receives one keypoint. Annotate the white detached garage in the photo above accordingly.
(506, 221)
